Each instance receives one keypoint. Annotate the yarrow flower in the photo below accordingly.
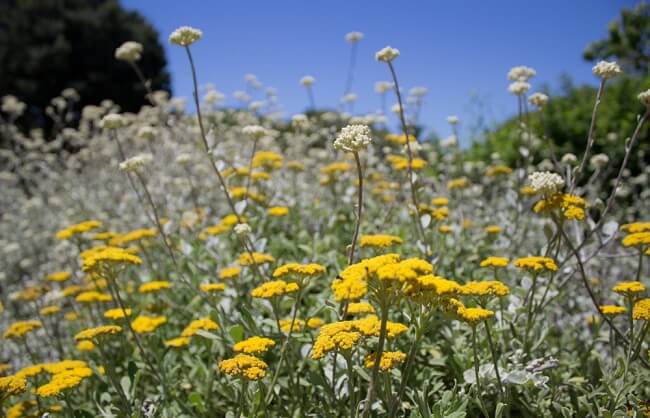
(629, 288)
(536, 264)
(212, 287)
(244, 365)
(606, 70)
(389, 360)
(117, 313)
(495, 262)
(278, 211)
(21, 328)
(274, 288)
(93, 333)
(59, 276)
(254, 345)
(612, 310)
(146, 324)
(245, 259)
(641, 310)
(545, 182)
(474, 315)
(185, 36)
(229, 273)
(154, 286)
(379, 240)
(353, 138)
(202, 324)
(311, 269)
(129, 51)
(387, 54)
(485, 288)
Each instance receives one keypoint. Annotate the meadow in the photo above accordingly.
(194, 260)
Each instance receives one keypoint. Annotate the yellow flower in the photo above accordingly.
(370, 327)
(459, 183)
(338, 335)
(85, 345)
(71, 316)
(117, 313)
(360, 308)
(444, 229)
(71, 290)
(536, 263)
(76, 229)
(254, 345)
(21, 328)
(612, 310)
(278, 211)
(91, 333)
(312, 269)
(267, 159)
(492, 229)
(314, 323)
(59, 276)
(12, 386)
(497, 170)
(145, 324)
(229, 273)
(474, 315)
(212, 287)
(335, 168)
(202, 324)
(637, 239)
(96, 257)
(93, 296)
(527, 191)
(154, 286)
(50, 310)
(244, 365)
(274, 288)
(399, 139)
(285, 325)
(440, 201)
(64, 380)
(438, 285)
(295, 166)
(641, 310)
(570, 206)
(485, 288)
(245, 259)
(389, 360)
(135, 235)
(636, 227)
(178, 342)
(495, 262)
(629, 288)
(380, 240)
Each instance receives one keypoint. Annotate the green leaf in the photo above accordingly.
(237, 333)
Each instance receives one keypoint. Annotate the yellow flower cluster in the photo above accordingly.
(351, 283)
(85, 345)
(268, 159)
(399, 139)
(492, 229)
(635, 227)
(434, 286)
(254, 345)
(50, 310)
(459, 183)
(440, 201)
(495, 262)
(295, 166)
(278, 211)
(154, 286)
(229, 273)
(536, 263)
(12, 386)
(92, 333)
(76, 229)
(641, 310)
(335, 168)
(474, 315)
(570, 206)
(612, 310)
(360, 308)
(629, 288)
(98, 256)
(637, 239)
(21, 328)
(135, 235)
(274, 288)
(146, 324)
(212, 287)
(400, 163)
(93, 296)
(225, 225)
(311, 269)
(498, 170)
(117, 313)
(379, 240)
(389, 360)
(202, 324)
(59, 276)
(63, 380)
(484, 288)
(245, 366)
(245, 259)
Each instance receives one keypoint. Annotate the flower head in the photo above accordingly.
(521, 73)
(244, 365)
(353, 138)
(607, 70)
(185, 36)
(538, 99)
(137, 163)
(129, 51)
(387, 54)
(307, 81)
(353, 37)
(545, 182)
(254, 345)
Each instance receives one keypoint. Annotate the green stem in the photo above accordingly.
(367, 406)
(494, 356)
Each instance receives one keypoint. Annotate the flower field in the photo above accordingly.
(219, 262)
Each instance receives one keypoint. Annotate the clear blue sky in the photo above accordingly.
(457, 49)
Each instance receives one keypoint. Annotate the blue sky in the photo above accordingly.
(460, 50)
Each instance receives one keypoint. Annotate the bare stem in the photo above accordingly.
(359, 209)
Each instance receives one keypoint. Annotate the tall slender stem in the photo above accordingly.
(370, 396)
(359, 209)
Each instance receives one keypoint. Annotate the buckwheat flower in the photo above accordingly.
(307, 80)
(353, 138)
(382, 87)
(113, 121)
(12, 106)
(519, 88)
(387, 54)
(255, 131)
(644, 97)
(136, 164)
(545, 182)
(599, 160)
(353, 37)
(418, 92)
(242, 230)
(452, 120)
(299, 120)
(129, 51)
(349, 98)
(569, 158)
(607, 70)
(147, 132)
(185, 36)
(213, 96)
(521, 73)
(538, 99)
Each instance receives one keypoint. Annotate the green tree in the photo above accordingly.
(49, 45)
(628, 41)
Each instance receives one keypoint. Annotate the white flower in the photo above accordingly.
(387, 54)
(255, 131)
(12, 106)
(452, 120)
(607, 70)
(353, 138)
(183, 158)
(255, 105)
(546, 182)
(137, 163)
(538, 99)
(213, 96)
(242, 229)
(521, 73)
(599, 160)
(418, 91)
(129, 51)
(569, 158)
(396, 108)
(147, 132)
(307, 80)
(113, 121)
(353, 37)
(450, 141)
(519, 88)
(644, 97)
(299, 119)
(185, 36)
(349, 98)
(382, 87)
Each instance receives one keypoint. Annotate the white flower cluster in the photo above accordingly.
(213, 96)
(113, 121)
(382, 87)
(353, 37)
(599, 160)
(607, 70)
(255, 131)
(147, 132)
(418, 92)
(299, 119)
(12, 106)
(519, 88)
(644, 97)
(452, 120)
(538, 99)
(307, 80)
(349, 98)
(242, 229)
(521, 73)
(183, 158)
(569, 158)
(185, 36)
(137, 163)
(545, 182)
(129, 51)
(353, 138)
(387, 54)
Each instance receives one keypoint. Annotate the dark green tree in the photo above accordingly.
(49, 45)
(628, 41)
